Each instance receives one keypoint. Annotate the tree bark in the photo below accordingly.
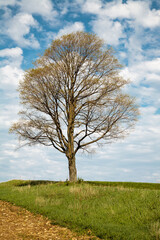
(70, 132)
(72, 169)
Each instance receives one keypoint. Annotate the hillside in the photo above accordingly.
(117, 211)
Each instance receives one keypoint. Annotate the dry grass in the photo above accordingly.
(40, 201)
(84, 191)
(155, 230)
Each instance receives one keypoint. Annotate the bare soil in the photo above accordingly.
(17, 223)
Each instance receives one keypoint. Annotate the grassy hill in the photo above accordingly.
(109, 210)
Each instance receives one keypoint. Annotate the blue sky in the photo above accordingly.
(132, 28)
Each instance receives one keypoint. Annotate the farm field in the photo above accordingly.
(108, 210)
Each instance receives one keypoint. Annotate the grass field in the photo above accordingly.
(117, 211)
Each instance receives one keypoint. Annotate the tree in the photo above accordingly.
(73, 98)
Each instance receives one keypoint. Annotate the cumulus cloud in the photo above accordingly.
(12, 56)
(11, 52)
(10, 70)
(145, 77)
(10, 76)
(7, 2)
(150, 66)
(142, 14)
(19, 26)
(138, 11)
(43, 8)
(143, 71)
(110, 31)
(8, 115)
(109, 19)
(91, 6)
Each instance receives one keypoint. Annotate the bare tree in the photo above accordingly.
(73, 98)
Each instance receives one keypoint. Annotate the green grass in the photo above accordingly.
(115, 211)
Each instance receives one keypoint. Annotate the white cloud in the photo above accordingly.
(7, 2)
(8, 115)
(11, 56)
(71, 27)
(145, 77)
(43, 8)
(143, 71)
(109, 15)
(154, 80)
(142, 14)
(91, 6)
(117, 9)
(11, 52)
(10, 77)
(10, 70)
(150, 66)
(110, 31)
(19, 26)
(138, 11)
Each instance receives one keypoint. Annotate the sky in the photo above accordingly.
(132, 28)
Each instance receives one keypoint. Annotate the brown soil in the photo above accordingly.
(17, 223)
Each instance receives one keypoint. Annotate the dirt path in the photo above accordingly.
(19, 224)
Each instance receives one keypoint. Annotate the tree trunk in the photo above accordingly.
(70, 132)
(72, 169)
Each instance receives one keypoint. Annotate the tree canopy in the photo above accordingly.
(73, 97)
